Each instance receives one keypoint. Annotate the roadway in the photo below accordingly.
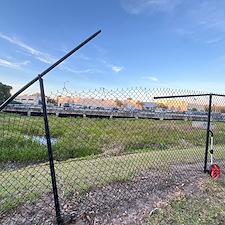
(36, 110)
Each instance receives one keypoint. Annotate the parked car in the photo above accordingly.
(127, 109)
(114, 109)
(135, 110)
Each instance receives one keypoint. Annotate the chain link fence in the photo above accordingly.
(114, 151)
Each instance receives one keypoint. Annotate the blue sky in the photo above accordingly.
(144, 43)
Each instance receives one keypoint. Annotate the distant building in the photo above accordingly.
(88, 102)
(196, 107)
(29, 99)
(131, 104)
(178, 105)
(149, 105)
(93, 102)
(175, 105)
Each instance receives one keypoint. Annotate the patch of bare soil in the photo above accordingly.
(130, 203)
(116, 203)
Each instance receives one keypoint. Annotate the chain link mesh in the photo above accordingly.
(113, 150)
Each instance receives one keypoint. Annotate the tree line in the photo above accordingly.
(4, 92)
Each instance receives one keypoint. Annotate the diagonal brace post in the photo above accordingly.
(10, 99)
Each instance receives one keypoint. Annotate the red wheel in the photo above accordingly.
(215, 171)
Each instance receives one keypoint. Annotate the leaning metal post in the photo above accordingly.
(39, 77)
(50, 154)
(207, 133)
(10, 99)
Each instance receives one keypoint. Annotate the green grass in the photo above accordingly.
(94, 152)
(81, 137)
(79, 175)
(192, 209)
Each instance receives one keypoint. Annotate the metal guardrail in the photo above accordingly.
(67, 111)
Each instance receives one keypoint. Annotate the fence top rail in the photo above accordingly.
(10, 99)
(181, 96)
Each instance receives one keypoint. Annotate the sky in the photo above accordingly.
(177, 44)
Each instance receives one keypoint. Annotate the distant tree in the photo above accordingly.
(161, 105)
(118, 103)
(51, 101)
(222, 110)
(4, 92)
(139, 104)
(194, 110)
(36, 94)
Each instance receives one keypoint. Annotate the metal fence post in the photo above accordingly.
(207, 133)
(50, 154)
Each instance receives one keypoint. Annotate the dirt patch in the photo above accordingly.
(130, 203)
(116, 203)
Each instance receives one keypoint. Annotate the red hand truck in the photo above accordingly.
(214, 168)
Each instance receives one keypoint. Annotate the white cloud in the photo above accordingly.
(13, 65)
(92, 70)
(8, 64)
(77, 71)
(182, 31)
(150, 78)
(204, 15)
(45, 60)
(21, 44)
(116, 68)
(213, 40)
(25, 63)
(41, 56)
(201, 14)
(202, 20)
(149, 6)
(208, 15)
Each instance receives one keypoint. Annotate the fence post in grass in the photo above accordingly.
(50, 154)
(207, 133)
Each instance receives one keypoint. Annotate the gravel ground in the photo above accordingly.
(115, 203)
